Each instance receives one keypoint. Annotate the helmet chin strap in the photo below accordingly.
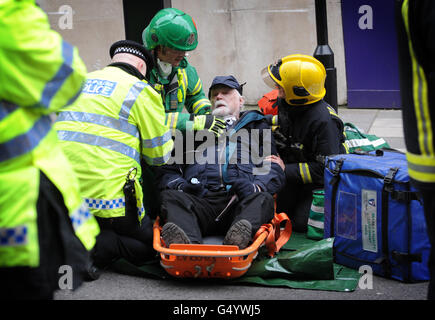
(165, 68)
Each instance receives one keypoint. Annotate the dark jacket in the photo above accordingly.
(304, 133)
(417, 86)
(228, 160)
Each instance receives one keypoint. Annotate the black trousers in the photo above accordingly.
(58, 245)
(196, 216)
(295, 201)
(124, 237)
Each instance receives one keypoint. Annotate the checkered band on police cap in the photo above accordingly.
(131, 47)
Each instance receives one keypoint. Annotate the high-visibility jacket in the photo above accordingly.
(416, 29)
(39, 74)
(182, 89)
(117, 121)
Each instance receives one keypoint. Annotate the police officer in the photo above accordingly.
(44, 223)
(416, 32)
(117, 121)
(170, 34)
(308, 128)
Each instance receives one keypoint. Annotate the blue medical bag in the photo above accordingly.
(375, 216)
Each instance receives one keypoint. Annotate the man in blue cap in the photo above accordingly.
(228, 193)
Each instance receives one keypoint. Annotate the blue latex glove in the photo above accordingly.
(243, 188)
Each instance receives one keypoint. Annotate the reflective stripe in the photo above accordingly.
(157, 141)
(26, 142)
(6, 108)
(13, 236)
(59, 78)
(173, 116)
(105, 204)
(421, 105)
(305, 173)
(106, 121)
(130, 99)
(99, 141)
(185, 80)
(80, 216)
(353, 143)
(315, 223)
(421, 168)
(317, 209)
(197, 88)
(159, 160)
(200, 104)
(332, 111)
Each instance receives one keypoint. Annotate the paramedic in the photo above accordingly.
(223, 196)
(416, 31)
(44, 223)
(117, 121)
(170, 34)
(308, 128)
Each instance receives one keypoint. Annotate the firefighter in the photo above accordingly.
(308, 128)
(117, 121)
(170, 35)
(44, 223)
(416, 31)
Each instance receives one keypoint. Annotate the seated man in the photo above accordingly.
(308, 128)
(223, 193)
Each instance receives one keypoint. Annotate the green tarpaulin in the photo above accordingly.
(302, 263)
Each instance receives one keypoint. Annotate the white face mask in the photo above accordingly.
(165, 68)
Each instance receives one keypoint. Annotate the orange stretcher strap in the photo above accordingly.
(276, 237)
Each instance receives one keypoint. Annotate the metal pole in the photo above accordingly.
(325, 55)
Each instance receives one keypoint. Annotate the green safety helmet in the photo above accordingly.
(171, 28)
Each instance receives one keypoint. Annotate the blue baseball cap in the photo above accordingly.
(228, 81)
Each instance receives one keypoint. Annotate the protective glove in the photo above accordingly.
(194, 187)
(243, 188)
(209, 122)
